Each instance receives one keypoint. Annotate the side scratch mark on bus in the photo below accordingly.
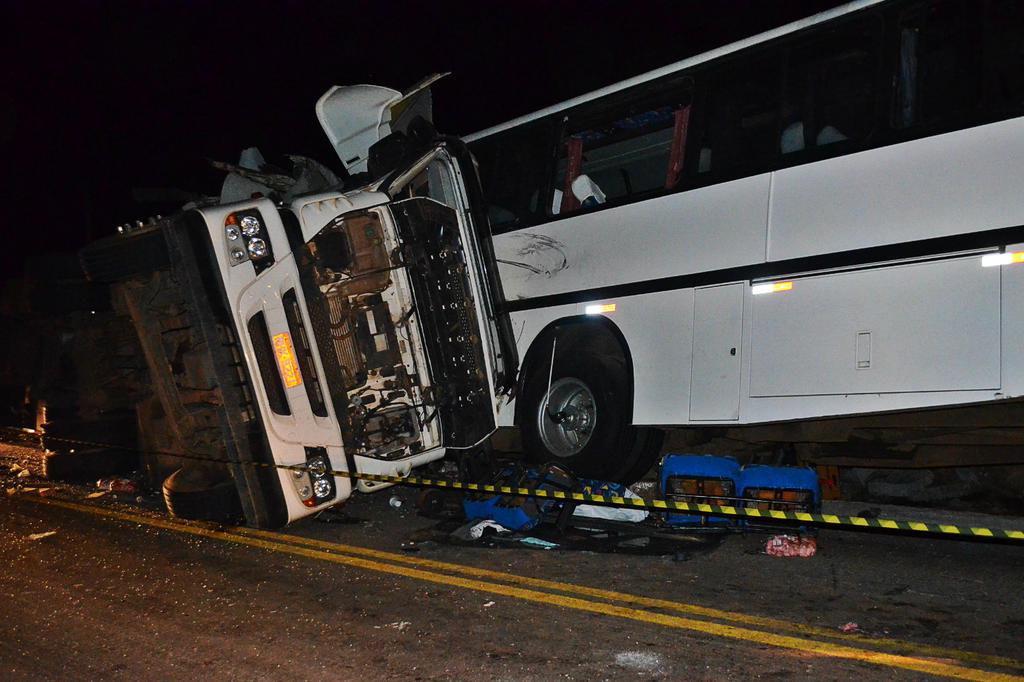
(541, 254)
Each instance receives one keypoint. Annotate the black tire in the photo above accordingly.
(120, 257)
(197, 493)
(614, 450)
(88, 465)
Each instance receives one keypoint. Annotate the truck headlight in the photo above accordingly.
(257, 247)
(250, 225)
(247, 239)
(318, 468)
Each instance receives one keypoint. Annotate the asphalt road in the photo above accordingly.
(121, 591)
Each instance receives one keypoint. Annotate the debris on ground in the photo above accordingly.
(639, 660)
(594, 511)
(98, 493)
(118, 485)
(791, 546)
(40, 536)
(850, 628)
(537, 542)
(399, 625)
(476, 531)
(488, 605)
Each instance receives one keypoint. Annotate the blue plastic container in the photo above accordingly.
(700, 467)
(781, 479)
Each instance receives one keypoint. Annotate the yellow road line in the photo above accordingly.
(717, 629)
(648, 602)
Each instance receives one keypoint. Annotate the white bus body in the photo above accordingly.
(812, 281)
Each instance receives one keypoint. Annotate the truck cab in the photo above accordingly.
(353, 330)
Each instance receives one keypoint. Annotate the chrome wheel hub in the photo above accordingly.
(566, 419)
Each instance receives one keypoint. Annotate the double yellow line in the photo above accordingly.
(776, 632)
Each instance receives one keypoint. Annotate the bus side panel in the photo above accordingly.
(658, 328)
(910, 328)
(956, 183)
(711, 228)
(1013, 327)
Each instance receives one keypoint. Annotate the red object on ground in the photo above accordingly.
(790, 545)
(117, 485)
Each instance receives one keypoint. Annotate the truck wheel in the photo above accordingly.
(198, 494)
(582, 422)
(120, 257)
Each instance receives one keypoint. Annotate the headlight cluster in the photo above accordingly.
(247, 239)
(314, 483)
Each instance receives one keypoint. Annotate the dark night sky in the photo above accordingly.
(103, 97)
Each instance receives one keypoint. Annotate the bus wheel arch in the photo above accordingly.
(585, 422)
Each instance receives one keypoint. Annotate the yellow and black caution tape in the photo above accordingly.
(729, 511)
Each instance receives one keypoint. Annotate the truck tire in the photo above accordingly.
(196, 493)
(583, 425)
(121, 257)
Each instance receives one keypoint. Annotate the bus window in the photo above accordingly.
(623, 153)
(741, 118)
(1006, 54)
(830, 93)
(938, 72)
(514, 169)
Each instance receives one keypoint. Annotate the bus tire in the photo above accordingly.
(195, 493)
(584, 425)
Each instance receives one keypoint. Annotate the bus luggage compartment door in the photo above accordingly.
(717, 332)
(917, 327)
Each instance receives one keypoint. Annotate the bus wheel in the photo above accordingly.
(582, 421)
(199, 494)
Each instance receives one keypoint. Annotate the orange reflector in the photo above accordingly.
(770, 287)
(600, 308)
(286, 360)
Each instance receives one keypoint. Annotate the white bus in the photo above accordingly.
(820, 221)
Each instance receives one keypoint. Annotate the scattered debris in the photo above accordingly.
(40, 536)
(23, 473)
(118, 485)
(488, 604)
(537, 542)
(791, 546)
(476, 531)
(850, 628)
(594, 511)
(395, 501)
(399, 625)
(99, 493)
(639, 660)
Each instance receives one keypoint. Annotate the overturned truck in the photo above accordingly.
(291, 335)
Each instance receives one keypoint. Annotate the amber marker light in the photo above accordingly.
(993, 259)
(770, 288)
(600, 309)
(286, 361)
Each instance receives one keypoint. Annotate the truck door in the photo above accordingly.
(447, 250)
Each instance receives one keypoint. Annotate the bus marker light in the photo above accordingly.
(993, 259)
(600, 308)
(770, 288)
(286, 360)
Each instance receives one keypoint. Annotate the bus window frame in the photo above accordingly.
(883, 133)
